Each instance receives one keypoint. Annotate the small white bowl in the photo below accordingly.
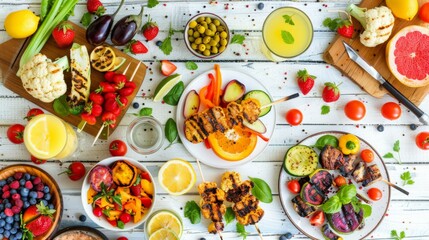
(101, 221)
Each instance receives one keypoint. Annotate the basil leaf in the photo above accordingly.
(171, 130)
(388, 155)
(238, 39)
(191, 65)
(61, 106)
(396, 147)
(76, 110)
(356, 204)
(325, 109)
(86, 19)
(106, 212)
(166, 47)
(288, 19)
(261, 190)
(121, 224)
(193, 212)
(173, 96)
(287, 37)
(152, 3)
(229, 215)
(241, 230)
(333, 205)
(346, 193)
(326, 140)
(145, 112)
(367, 210)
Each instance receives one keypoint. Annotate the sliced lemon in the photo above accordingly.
(119, 61)
(177, 176)
(164, 234)
(165, 86)
(102, 58)
(164, 219)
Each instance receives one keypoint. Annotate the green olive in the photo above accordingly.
(221, 48)
(190, 32)
(223, 42)
(216, 22)
(223, 35)
(196, 34)
(213, 42)
(201, 47)
(191, 39)
(208, 20)
(214, 50)
(198, 40)
(194, 46)
(208, 46)
(204, 24)
(192, 24)
(200, 19)
(212, 27)
(201, 29)
(206, 39)
(216, 38)
(220, 28)
(209, 32)
(206, 52)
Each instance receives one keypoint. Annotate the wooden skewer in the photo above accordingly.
(135, 71)
(259, 231)
(396, 187)
(98, 135)
(363, 198)
(126, 69)
(295, 95)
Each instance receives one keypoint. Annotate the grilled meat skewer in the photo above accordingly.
(212, 206)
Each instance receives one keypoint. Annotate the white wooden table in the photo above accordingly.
(407, 213)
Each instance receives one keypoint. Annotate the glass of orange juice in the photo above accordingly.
(48, 137)
(287, 32)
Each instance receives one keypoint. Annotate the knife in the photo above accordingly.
(423, 117)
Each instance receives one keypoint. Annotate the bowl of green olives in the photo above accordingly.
(206, 35)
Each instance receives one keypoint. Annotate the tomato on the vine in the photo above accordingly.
(424, 12)
(391, 110)
(355, 110)
(75, 171)
(33, 112)
(375, 194)
(422, 140)
(318, 218)
(294, 117)
(340, 181)
(118, 148)
(15, 133)
(367, 155)
(294, 186)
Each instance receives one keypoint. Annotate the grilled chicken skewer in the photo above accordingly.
(212, 206)
(245, 205)
(200, 125)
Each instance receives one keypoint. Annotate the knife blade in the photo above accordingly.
(423, 117)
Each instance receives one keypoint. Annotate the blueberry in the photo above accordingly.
(2, 223)
(202, 239)
(82, 218)
(47, 196)
(9, 219)
(261, 6)
(1, 206)
(33, 194)
(8, 226)
(46, 189)
(2, 215)
(2, 182)
(16, 218)
(6, 201)
(8, 205)
(136, 105)
(51, 206)
(22, 181)
(13, 191)
(158, 43)
(14, 230)
(27, 176)
(32, 177)
(1, 236)
(1, 230)
(26, 204)
(32, 201)
(413, 126)
(380, 128)
(6, 234)
(44, 202)
(24, 192)
(19, 235)
(10, 179)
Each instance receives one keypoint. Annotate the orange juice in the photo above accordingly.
(287, 32)
(49, 137)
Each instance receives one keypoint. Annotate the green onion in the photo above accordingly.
(56, 14)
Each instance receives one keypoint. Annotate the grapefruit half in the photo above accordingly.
(407, 56)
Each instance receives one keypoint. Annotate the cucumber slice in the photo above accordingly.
(257, 126)
(300, 161)
(263, 99)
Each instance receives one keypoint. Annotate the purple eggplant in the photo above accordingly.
(126, 28)
(99, 30)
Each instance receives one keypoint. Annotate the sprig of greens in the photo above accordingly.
(170, 131)
(229, 215)
(166, 46)
(261, 190)
(193, 212)
(191, 65)
(144, 112)
(407, 178)
(238, 39)
(241, 230)
(396, 148)
(395, 236)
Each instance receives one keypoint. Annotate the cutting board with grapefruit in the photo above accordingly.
(336, 55)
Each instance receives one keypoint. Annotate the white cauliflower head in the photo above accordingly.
(42, 78)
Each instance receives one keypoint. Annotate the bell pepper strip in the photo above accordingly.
(256, 133)
(207, 144)
(203, 99)
(218, 86)
(349, 144)
(210, 89)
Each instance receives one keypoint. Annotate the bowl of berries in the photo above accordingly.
(118, 193)
(31, 203)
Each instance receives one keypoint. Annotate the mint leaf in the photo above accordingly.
(396, 147)
(287, 37)
(238, 39)
(166, 47)
(325, 109)
(191, 65)
(288, 19)
(388, 155)
(229, 215)
(152, 3)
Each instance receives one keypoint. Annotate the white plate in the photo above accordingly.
(379, 207)
(199, 151)
(101, 221)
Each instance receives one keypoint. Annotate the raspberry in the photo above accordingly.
(37, 180)
(5, 188)
(8, 212)
(16, 209)
(19, 203)
(18, 175)
(40, 194)
(39, 187)
(5, 195)
(16, 196)
(28, 185)
(14, 185)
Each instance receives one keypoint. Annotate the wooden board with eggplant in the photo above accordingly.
(325, 183)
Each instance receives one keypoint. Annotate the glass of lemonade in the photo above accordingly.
(287, 32)
(145, 135)
(49, 137)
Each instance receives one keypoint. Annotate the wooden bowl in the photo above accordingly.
(57, 198)
(83, 230)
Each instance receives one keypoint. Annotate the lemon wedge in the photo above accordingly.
(163, 234)
(164, 219)
(102, 58)
(177, 176)
(119, 61)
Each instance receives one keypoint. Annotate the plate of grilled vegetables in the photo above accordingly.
(224, 118)
(333, 185)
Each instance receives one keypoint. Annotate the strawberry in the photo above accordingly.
(136, 190)
(167, 67)
(305, 81)
(40, 225)
(63, 34)
(150, 30)
(331, 93)
(346, 31)
(95, 7)
(135, 47)
(88, 118)
(344, 27)
(30, 214)
(37, 219)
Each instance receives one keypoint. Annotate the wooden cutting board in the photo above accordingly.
(9, 64)
(337, 56)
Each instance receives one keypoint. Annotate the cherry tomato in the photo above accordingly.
(122, 238)
(318, 218)
(367, 155)
(33, 112)
(97, 211)
(375, 194)
(391, 110)
(424, 12)
(340, 181)
(37, 161)
(114, 223)
(422, 140)
(294, 117)
(146, 202)
(294, 186)
(355, 110)
(125, 92)
(75, 171)
(15, 133)
(125, 217)
(145, 175)
(118, 148)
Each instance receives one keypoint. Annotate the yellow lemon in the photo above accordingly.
(405, 9)
(164, 219)
(21, 24)
(177, 176)
(103, 58)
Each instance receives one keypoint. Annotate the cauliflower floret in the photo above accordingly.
(42, 78)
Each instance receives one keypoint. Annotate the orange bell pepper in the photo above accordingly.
(210, 89)
(203, 99)
(218, 86)
(256, 133)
